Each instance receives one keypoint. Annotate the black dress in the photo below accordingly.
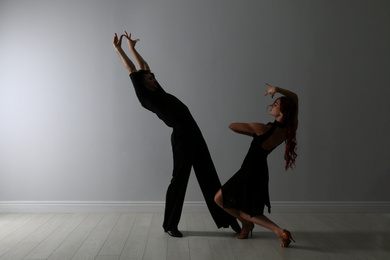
(247, 190)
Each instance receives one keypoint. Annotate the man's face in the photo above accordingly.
(150, 81)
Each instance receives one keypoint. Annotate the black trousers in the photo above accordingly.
(190, 150)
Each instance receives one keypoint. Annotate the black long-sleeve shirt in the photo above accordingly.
(166, 106)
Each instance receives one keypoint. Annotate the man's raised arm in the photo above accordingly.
(142, 64)
(129, 65)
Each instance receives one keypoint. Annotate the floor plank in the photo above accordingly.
(54, 240)
(136, 242)
(12, 239)
(157, 243)
(91, 247)
(117, 239)
(78, 236)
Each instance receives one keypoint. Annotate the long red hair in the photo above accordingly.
(289, 110)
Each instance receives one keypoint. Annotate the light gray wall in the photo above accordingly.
(71, 127)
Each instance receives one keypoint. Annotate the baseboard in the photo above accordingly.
(189, 206)
(331, 207)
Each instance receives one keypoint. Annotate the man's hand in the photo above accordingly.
(117, 42)
(130, 42)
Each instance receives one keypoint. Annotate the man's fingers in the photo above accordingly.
(115, 38)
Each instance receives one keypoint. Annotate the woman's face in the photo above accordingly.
(275, 109)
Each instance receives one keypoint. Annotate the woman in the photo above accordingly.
(246, 193)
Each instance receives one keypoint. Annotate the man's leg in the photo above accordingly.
(182, 162)
(209, 183)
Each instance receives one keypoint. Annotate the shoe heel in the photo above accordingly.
(243, 235)
(288, 235)
(286, 238)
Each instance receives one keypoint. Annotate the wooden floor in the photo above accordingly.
(140, 236)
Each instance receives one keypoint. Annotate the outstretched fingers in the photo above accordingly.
(128, 36)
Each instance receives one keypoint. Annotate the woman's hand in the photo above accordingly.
(130, 42)
(271, 90)
(117, 42)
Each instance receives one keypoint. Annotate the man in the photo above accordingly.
(188, 145)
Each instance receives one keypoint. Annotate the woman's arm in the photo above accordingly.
(248, 129)
(129, 65)
(291, 95)
(142, 64)
(273, 89)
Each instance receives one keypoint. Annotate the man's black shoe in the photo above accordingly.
(174, 233)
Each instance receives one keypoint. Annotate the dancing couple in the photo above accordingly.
(244, 196)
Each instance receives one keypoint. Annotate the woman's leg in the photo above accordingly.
(284, 235)
(247, 222)
(264, 222)
(234, 212)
